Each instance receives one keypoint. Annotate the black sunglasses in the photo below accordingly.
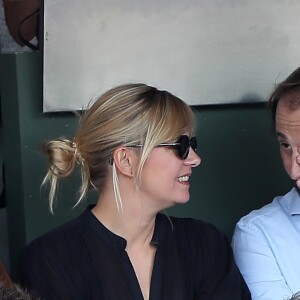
(182, 146)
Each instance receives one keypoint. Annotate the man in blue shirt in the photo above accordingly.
(266, 242)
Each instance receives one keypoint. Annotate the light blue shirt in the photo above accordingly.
(266, 245)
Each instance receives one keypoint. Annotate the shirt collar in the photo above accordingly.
(163, 228)
(294, 208)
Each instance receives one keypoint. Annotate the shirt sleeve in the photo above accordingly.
(257, 263)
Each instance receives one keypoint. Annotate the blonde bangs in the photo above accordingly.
(177, 120)
(169, 120)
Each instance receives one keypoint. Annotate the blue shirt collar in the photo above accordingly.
(294, 207)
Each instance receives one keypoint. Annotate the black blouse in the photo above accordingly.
(84, 260)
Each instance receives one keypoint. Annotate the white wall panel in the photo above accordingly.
(205, 51)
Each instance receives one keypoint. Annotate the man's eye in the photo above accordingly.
(284, 145)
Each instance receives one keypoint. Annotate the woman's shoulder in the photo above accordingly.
(200, 240)
(61, 239)
(194, 226)
(56, 253)
(196, 231)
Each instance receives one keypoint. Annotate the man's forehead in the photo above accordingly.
(291, 99)
(287, 114)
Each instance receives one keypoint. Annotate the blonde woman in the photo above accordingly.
(136, 147)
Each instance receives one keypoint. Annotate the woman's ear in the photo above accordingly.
(124, 159)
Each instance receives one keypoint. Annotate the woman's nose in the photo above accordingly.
(193, 158)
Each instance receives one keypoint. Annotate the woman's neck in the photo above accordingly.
(136, 226)
(133, 223)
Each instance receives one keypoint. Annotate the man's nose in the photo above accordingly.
(295, 171)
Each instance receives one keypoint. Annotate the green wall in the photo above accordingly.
(240, 169)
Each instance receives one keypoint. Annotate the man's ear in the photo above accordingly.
(124, 160)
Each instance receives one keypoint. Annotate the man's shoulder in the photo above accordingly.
(271, 211)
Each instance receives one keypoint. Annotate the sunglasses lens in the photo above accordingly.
(193, 143)
(184, 146)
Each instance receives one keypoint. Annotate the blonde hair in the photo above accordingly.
(125, 115)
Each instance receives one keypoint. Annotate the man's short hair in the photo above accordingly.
(291, 83)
